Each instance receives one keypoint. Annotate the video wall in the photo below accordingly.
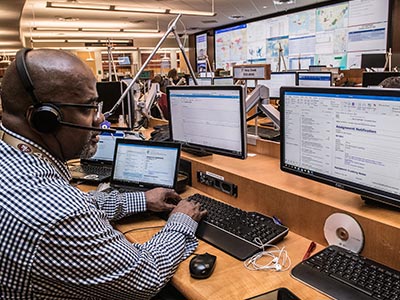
(333, 35)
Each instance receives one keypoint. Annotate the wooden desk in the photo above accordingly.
(230, 280)
(303, 205)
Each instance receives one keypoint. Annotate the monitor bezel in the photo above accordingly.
(243, 126)
(364, 191)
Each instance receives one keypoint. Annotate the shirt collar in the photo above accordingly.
(59, 165)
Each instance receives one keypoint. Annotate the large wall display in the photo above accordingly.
(333, 35)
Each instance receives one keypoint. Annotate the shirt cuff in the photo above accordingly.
(183, 220)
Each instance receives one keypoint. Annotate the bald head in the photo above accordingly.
(391, 82)
(57, 76)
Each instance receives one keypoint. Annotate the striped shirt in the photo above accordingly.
(56, 241)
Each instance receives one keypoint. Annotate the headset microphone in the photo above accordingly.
(100, 129)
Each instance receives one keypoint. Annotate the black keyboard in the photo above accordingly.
(343, 274)
(235, 231)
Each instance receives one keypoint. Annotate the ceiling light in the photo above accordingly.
(131, 9)
(97, 30)
(191, 12)
(141, 30)
(101, 29)
(75, 5)
(140, 9)
(55, 29)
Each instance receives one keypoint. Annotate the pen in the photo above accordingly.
(310, 249)
(276, 220)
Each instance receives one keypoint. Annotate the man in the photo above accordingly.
(56, 241)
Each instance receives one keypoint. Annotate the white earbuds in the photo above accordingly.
(280, 260)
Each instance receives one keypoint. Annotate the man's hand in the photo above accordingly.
(190, 208)
(156, 199)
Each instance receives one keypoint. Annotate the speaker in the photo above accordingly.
(45, 117)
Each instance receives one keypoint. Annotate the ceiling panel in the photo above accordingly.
(35, 14)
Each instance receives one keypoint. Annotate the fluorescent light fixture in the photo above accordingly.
(132, 9)
(55, 29)
(64, 40)
(140, 9)
(74, 5)
(101, 29)
(98, 30)
(141, 30)
(191, 12)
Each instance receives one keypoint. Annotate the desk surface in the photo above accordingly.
(302, 204)
(230, 280)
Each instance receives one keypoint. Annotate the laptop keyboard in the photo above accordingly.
(99, 170)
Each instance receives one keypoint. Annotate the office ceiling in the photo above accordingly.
(31, 23)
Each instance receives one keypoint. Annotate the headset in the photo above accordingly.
(46, 117)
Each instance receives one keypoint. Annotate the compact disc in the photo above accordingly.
(344, 231)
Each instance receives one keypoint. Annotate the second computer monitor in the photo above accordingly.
(223, 81)
(314, 79)
(278, 79)
(209, 118)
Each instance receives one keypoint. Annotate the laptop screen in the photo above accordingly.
(145, 164)
(105, 147)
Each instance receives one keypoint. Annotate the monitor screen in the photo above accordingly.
(277, 80)
(124, 60)
(204, 81)
(345, 137)
(373, 60)
(109, 92)
(314, 79)
(201, 81)
(372, 79)
(223, 81)
(211, 118)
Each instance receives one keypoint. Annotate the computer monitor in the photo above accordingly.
(201, 81)
(208, 118)
(124, 60)
(323, 79)
(204, 80)
(278, 79)
(223, 81)
(372, 79)
(109, 92)
(345, 137)
(373, 60)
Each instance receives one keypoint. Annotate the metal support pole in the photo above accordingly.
(170, 29)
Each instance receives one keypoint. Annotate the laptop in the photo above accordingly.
(143, 165)
(97, 168)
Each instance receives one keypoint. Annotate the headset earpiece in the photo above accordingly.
(45, 117)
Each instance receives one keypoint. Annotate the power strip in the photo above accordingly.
(218, 183)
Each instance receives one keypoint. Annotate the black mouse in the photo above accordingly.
(202, 265)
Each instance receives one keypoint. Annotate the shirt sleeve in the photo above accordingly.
(118, 205)
(82, 256)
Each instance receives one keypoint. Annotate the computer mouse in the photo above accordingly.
(202, 265)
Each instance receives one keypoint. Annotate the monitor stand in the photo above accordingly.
(197, 151)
